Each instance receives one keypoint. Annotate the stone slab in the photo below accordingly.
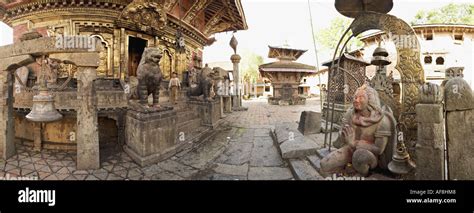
(297, 149)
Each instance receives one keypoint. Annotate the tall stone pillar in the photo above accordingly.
(235, 58)
(7, 129)
(429, 150)
(87, 126)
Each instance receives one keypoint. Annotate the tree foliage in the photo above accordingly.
(449, 14)
(328, 38)
(249, 66)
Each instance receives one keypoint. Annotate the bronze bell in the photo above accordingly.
(401, 163)
(43, 109)
(380, 57)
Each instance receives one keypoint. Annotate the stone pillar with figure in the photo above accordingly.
(150, 129)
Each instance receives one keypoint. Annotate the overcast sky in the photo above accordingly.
(276, 22)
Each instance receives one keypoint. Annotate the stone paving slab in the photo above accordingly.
(236, 154)
(264, 153)
(234, 170)
(269, 173)
(244, 150)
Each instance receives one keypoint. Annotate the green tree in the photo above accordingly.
(451, 13)
(249, 66)
(328, 38)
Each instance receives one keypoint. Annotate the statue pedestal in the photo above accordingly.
(150, 136)
(209, 111)
(227, 104)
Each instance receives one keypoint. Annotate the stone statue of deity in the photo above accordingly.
(149, 76)
(367, 136)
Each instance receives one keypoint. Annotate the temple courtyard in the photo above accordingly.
(241, 149)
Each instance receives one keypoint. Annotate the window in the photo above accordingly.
(440, 61)
(428, 59)
(458, 37)
(429, 36)
(304, 80)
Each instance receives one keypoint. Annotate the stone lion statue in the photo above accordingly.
(149, 75)
(367, 136)
(205, 81)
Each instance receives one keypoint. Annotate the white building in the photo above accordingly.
(442, 46)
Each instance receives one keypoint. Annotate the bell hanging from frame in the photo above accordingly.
(43, 109)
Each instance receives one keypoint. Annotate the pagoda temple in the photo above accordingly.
(285, 75)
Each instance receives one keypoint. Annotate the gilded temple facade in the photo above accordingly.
(126, 27)
(123, 28)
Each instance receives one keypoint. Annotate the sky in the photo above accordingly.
(279, 22)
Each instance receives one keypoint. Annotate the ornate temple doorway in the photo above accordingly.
(136, 46)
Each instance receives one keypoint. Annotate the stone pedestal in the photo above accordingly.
(209, 111)
(429, 150)
(150, 136)
(227, 104)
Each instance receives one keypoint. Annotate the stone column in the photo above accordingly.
(429, 150)
(7, 128)
(235, 58)
(87, 129)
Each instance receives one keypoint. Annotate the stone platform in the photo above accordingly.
(150, 136)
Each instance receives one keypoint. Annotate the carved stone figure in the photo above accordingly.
(367, 136)
(205, 84)
(149, 76)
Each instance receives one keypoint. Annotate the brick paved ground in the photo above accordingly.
(241, 150)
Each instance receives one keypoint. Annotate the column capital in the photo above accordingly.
(235, 58)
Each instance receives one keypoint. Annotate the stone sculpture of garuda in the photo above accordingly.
(367, 136)
(149, 76)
